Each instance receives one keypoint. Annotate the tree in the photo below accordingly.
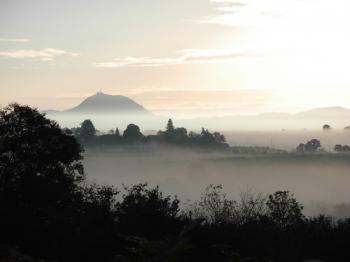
(326, 127)
(207, 137)
(87, 131)
(40, 171)
(219, 137)
(338, 148)
(313, 145)
(301, 148)
(284, 209)
(132, 133)
(45, 208)
(145, 212)
(170, 126)
(117, 133)
(214, 206)
(341, 148)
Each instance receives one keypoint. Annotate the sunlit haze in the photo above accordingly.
(180, 58)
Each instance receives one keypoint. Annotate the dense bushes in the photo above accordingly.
(145, 212)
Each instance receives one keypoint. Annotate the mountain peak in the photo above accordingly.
(101, 103)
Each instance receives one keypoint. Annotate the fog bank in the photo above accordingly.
(318, 182)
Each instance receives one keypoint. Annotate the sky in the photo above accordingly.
(178, 57)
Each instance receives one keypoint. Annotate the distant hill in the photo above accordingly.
(325, 112)
(101, 103)
(110, 111)
(336, 117)
(106, 112)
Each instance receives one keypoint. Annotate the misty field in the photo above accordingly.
(287, 139)
(320, 182)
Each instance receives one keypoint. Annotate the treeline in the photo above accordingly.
(132, 136)
(50, 213)
(314, 146)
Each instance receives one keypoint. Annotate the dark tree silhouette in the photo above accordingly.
(132, 133)
(45, 208)
(284, 209)
(145, 212)
(40, 168)
(117, 133)
(220, 138)
(87, 131)
(326, 127)
(342, 148)
(338, 148)
(301, 148)
(170, 126)
(311, 146)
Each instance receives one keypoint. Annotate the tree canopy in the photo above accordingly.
(311, 146)
(176, 136)
(132, 133)
(87, 131)
(43, 204)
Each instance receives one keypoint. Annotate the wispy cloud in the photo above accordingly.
(254, 13)
(16, 40)
(47, 54)
(186, 56)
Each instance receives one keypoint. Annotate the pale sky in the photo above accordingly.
(180, 57)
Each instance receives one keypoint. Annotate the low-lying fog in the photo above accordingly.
(288, 139)
(320, 183)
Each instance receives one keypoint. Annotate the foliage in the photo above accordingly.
(311, 146)
(36, 159)
(284, 209)
(170, 126)
(214, 207)
(132, 133)
(87, 131)
(44, 207)
(145, 212)
(326, 127)
(341, 148)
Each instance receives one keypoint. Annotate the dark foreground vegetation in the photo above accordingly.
(49, 213)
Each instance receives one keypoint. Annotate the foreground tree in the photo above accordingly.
(146, 212)
(43, 205)
(40, 169)
(33, 149)
(284, 209)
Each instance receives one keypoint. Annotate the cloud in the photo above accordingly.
(16, 40)
(255, 13)
(47, 54)
(186, 56)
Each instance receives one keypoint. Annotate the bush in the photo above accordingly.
(145, 212)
